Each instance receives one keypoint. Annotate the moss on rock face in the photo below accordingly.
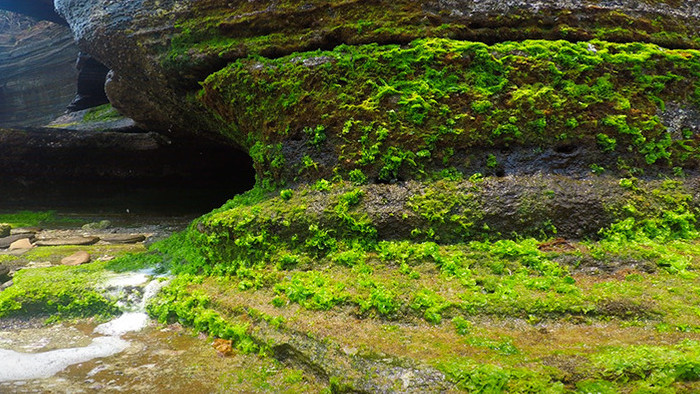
(401, 112)
(214, 31)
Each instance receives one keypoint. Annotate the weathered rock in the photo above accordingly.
(5, 230)
(123, 238)
(101, 225)
(5, 242)
(67, 241)
(25, 230)
(21, 244)
(77, 258)
(37, 73)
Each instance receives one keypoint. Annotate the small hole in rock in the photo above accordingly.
(566, 149)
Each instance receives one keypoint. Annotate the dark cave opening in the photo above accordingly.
(138, 173)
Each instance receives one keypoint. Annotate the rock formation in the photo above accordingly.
(37, 71)
(386, 92)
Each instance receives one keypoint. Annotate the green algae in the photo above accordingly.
(101, 113)
(32, 218)
(66, 292)
(210, 33)
(396, 112)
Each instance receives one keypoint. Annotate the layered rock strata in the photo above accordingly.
(37, 72)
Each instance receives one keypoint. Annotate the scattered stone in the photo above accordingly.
(124, 238)
(224, 347)
(21, 244)
(5, 242)
(6, 285)
(5, 229)
(77, 258)
(557, 244)
(101, 225)
(25, 230)
(79, 241)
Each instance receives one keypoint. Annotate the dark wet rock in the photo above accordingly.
(625, 309)
(4, 273)
(91, 81)
(590, 266)
(77, 258)
(67, 241)
(5, 230)
(5, 242)
(123, 238)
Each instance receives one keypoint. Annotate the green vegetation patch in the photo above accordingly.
(64, 292)
(103, 113)
(391, 288)
(33, 218)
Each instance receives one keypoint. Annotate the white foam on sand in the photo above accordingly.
(127, 322)
(129, 279)
(25, 366)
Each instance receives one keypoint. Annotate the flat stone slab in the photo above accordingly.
(20, 244)
(25, 230)
(76, 258)
(78, 241)
(5, 242)
(123, 238)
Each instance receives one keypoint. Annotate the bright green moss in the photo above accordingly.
(398, 112)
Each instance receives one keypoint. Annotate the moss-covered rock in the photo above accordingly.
(440, 184)
(405, 112)
(160, 50)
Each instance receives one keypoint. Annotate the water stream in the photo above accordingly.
(132, 291)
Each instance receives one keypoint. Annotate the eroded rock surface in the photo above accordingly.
(37, 71)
